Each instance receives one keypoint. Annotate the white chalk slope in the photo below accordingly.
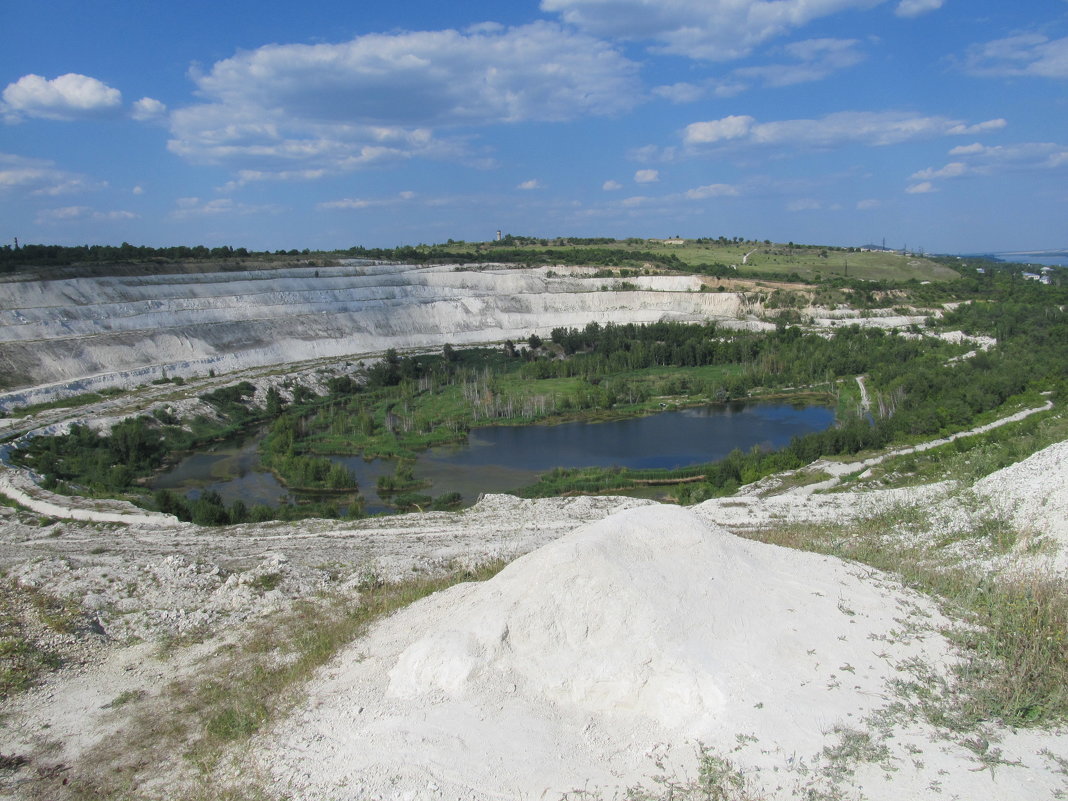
(82, 329)
(645, 628)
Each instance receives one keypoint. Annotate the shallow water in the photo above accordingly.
(503, 458)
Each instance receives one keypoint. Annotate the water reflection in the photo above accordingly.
(502, 458)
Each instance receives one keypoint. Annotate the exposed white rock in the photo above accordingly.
(568, 669)
(80, 334)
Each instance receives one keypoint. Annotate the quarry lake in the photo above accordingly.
(503, 458)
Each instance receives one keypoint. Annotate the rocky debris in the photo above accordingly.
(568, 669)
(1033, 494)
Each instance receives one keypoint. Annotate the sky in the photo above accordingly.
(933, 124)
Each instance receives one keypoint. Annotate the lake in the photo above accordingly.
(503, 458)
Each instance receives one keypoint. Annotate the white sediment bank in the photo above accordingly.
(75, 335)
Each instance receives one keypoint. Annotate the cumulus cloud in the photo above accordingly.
(980, 127)
(1026, 54)
(68, 97)
(714, 30)
(982, 160)
(682, 92)
(646, 176)
(712, 190)
(875, 128)
(367, 203)
(193, 207)
(533, 183)
(914, 8)
(814, 60)
(1021, 155)
(721, 130)
(952, 170)
(611, 186)
(148, 108)
(798, 62)
(384, 97)
(70, 213)
(41, 177)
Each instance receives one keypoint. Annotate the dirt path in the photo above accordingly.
(839, 470)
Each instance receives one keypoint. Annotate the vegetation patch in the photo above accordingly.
(1013, 639)
(29, 621)
(239, 690)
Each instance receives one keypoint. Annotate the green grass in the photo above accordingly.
(968, 459)
(66, 403)
(1014, 637)
(777, 259)
(240, 690)
(27, 652)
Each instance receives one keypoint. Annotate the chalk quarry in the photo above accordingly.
(78, 334)
(623, 637)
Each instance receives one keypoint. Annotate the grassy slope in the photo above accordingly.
(805, 260)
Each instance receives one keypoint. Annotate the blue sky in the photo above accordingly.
(940, 124)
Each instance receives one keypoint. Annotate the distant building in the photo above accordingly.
(498, 236)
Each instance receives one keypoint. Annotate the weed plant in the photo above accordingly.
(242, 688)
(1013, 637)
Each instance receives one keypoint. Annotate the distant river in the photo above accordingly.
(503, 458)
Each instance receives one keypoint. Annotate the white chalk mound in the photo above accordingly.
(621, 617)
(646, 627)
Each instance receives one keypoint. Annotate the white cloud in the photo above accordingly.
(41, 177)
(366, 203)
(245, 177)
(725, 129)
(874, 128)
(69, 213)
(646, 176)
(138, 190)
(814, 60)
(1022, 155)
(611, 186)
(384, 97)
(914, 8)
(804, 204)
(192, 208)
(954, 169)
(921, 188)
(980, 127)
(533, 183)
(148, 108)
(68, 97)
(681, 92)
(806, 61)
(716, 30)
(1027, 54)
(868, 204)
(712, 190)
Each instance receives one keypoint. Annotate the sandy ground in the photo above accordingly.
(574, 668)
(623, 633)
(630, 628)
